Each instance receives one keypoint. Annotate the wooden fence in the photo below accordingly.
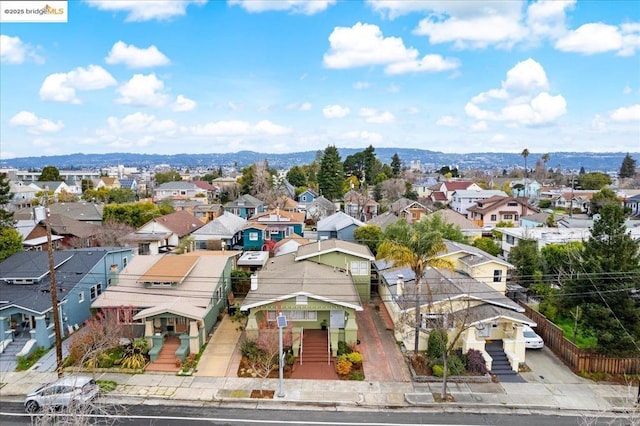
(579, 360)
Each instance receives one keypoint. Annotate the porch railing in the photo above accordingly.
(301, 343)
(328, 347)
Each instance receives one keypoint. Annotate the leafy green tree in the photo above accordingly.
(121, 195)
(86, 184)
(134, 215)
(436, 222)
(487, 245)
(370, 236)
(418, 247)
(170, 176)
(331, 176)
(396, 165)
(526, 259)
(594, 180)
(610, 272)
(50, 174)
(6, 217)
(628, 167)
(296, 176)
(559, 261)
(10, 242)
(599, 199)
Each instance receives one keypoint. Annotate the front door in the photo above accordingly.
(336, 319)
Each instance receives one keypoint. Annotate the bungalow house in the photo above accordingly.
(34, 235)
(110, 182)
(82, 211)
(383, 220)
(633, 205)
(462, 199)
(245, 206)
(178, 299)
(511, 237)
(320, 208)
(128, 183)
(289, 244)
(211, 190)
(207, 212)
(580, 200)
(26, 314)
(180, 190)
(265, 229)
(306, 198)
(23, 194)
(320, 286)
(164, 233)
(443, 192)
(339, 225)
(457, 302)
(410, 210)
(222, 233)
(55, 187)
(359, 205)
(487, 213)
(75, 234)
(423, 187)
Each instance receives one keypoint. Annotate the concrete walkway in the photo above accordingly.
(221, 357)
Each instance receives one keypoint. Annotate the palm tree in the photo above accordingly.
(545, 159)
(417, 247)
(525, 154)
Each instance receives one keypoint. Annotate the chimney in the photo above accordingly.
(400, 285)
(254, 282)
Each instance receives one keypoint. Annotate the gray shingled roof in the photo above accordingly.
(226, 225)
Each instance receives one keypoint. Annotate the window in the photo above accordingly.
(301, 299)
(124, 262)
(494, 218)
(294, 315)
(96, 291)
(497, 275)
(515, 217)
(359, 268)
(253, 236)
(81, 297)
(508, 217)
(511, 239)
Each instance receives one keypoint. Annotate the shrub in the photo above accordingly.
(475, 363)
(249, 348)
(437, 343)
(343, 348)
(438, 370)
(26, 362)
(455, 365)
(355, 358)
(357, 375)
(343, 366)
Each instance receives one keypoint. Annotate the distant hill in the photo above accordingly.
(605, 162)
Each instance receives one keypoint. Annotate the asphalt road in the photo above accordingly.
(12, 413)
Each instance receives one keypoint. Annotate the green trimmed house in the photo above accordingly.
(320, 286)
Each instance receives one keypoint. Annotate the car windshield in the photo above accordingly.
(530, 334)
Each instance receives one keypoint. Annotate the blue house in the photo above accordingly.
(307, 197)
(266, 229)
(245, 206)
(339, 225)
(81, 275)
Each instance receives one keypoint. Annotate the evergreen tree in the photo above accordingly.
(296, 176)
(331, 176)
(610, 272)
(628, 167)
(396, 165)
(526, 259)
(10, 242)
(599, 199)
(6, 217)
(50, 174)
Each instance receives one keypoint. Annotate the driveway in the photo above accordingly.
(548, 368)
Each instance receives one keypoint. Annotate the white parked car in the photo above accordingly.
(63, 392)
(531, 339)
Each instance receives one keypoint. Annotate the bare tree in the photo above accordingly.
(393, 189)
(112, 234)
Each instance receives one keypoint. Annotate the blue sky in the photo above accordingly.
(198, 76)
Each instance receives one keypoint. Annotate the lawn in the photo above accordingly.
(584, 341)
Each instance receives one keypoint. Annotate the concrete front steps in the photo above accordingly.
(500, 367)
(166, 361)
(314, 346)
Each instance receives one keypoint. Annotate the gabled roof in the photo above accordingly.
(203, 184)
(128, 183)
(52, 185)
(474, 256)
(309, 191)
(245, 200)
(333, 245)
(337, 221)
(455, 218)
(293, 237)
(226, 225)
(72, 267)
(485, 193)
(177, 185)
(323, 202)
(383, 220)
(438, 196)
(81, 211)
(170, 269)
(278, 216)
(357, 197)
(283, 278)
(180, 223)
(405, 203)
(455, 185)
(176, 307)
(496, 201)
(31, 264)
(65, 225)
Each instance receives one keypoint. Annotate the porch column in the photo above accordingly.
(5, 329)
(41, 333)
(351, 330)
(194, 337)
(148, 331)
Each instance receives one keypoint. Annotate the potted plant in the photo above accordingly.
(324, 324)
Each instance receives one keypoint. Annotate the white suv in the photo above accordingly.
(63, 392)
(531, 339)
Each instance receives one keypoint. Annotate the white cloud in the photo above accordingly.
(364, 45)
(306, 7)
(467, 25)
(136, 123)
(447, 121)
(361, 85)
(335, 111)
(15, 51)
(183, 104)
(525, 98)
(363, 136)
(61, 87)
(547, 18)
(135, 57)
(239, 128)
(147, 10)
(623, 114)
(376, 117)
(591, 38)
(34, 124)
(306, 106)
(480, 126)
(143, 90)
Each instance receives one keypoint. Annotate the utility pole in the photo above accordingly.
(418, 318)
(53, 288)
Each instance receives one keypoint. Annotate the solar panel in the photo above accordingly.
(282, 321)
